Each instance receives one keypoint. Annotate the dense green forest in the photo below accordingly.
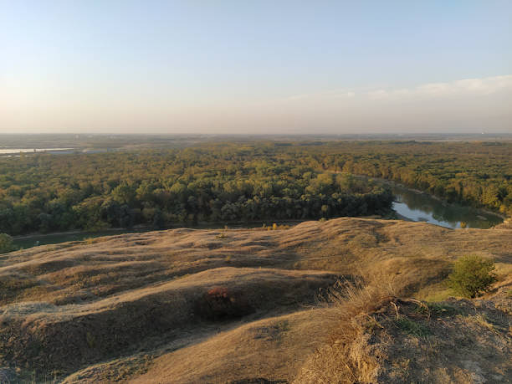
(254, 181)
(223, 183)
(477, 174)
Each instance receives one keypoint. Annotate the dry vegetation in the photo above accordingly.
(256, 306)
(385, 339)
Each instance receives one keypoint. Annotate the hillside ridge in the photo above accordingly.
(219, 306)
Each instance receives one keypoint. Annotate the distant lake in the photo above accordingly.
(418, 206)
(31, 150)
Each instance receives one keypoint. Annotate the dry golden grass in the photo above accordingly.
(384, 339)
(87, 307)
(347, 357)
(274, 348)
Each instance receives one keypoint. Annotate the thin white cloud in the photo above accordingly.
(466, 87)
(470, 87)
(466, 105)
(332, 94)
(378, 94)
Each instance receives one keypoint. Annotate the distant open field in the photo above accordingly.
(241, 305)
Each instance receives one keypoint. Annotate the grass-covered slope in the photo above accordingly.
(195, 306)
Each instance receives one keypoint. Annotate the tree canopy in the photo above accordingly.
(222, 183)
(253, 181)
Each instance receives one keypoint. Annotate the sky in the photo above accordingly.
(232, 66)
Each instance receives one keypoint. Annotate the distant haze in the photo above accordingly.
(125, 66)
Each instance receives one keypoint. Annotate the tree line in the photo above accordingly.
(253, 181)
(477, 174)
(219, 183)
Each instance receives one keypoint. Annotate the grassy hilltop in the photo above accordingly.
(347, 300)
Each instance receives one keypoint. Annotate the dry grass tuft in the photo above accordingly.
(346, 357)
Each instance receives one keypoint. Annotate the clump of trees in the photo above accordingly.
(472, 275)
(6, 243)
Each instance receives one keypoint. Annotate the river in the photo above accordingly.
(419, 206)
(17, 151)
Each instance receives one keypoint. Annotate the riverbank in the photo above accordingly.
(418, 205)
(415, 205)
(419, 191)
(410, 205)
(35, 239)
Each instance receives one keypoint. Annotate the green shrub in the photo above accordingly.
(412, 327)
(6, 244)
(471, 276)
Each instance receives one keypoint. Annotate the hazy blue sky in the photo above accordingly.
(240, 66)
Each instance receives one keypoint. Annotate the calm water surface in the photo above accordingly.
(32, 150)
(419, 206)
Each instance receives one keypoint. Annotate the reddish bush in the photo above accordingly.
(222, 303)
(218, 293)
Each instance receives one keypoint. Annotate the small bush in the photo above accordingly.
(412, 327)
(6, 244)
(471, 276)
(89, 240)
(221, 303)
(443, 309)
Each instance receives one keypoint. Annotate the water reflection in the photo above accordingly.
(15, 151)
(423, 207)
